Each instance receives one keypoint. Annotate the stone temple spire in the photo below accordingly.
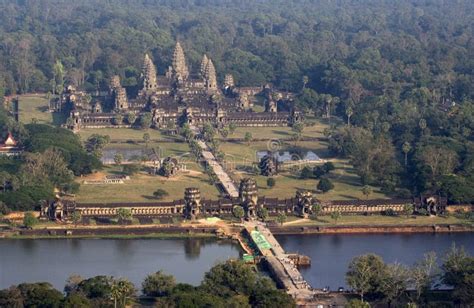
(149, 74)
(204, 62)
(210, 76)
(180, 69)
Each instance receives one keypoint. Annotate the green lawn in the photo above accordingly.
(124, 134)
(285, 132)
(240, 157)
(35, 108)
(378, 220)
(164, 149)
(141, 186)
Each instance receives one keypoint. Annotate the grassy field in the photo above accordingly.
(240, 157)
(312, 131)
(124, 134)
(377, 220)
(141, 186)
(346, 184)
(164, 149)
(35, 108)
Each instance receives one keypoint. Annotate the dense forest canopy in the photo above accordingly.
(401, 73)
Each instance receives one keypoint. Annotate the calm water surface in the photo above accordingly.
(54, 260)
(331, 254)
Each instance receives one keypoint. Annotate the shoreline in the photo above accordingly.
(170, 232)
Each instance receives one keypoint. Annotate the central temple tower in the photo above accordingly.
(180, 70)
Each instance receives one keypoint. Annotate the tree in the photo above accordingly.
(160, 193)
(357, 303)
(297, 128)
(305, 81)
(406, 148)
(121, 291)
(349, 113)
(422, 125)
(394, 282)
(29, 220)
(238, 212)
(281, 218)
(145, 120)
(335, 216)
(208, 131)
(146, 138)
(364, 274)
(76, 216)
(325, 185)
(232, 128)
(248, 137)
(41, 294)
(118, 158)
(315, 211)
(262, 213)
(224, 132)
(328, 167)
(58, 73)
(306, 173)
(131, 118)
(131, 169)
(77, 300)
(423, 274)
(458, 272)
(271, 182)
(124, 214)
(158, 284)
(118, 119)
(96, 143)
(366, 191)
(319, 171)
(408, 209)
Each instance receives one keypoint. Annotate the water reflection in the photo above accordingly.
(54, 260)
(331, 254)
(192, 248)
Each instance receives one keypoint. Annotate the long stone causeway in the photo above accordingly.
(223, 177)
(281, 266)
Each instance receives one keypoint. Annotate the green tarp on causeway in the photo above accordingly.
(260, 240)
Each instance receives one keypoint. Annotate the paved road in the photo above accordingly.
(223, 177)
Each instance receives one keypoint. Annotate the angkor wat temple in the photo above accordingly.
(179, 97)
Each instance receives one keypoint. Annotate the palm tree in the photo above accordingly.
(366, 190)
(305, 81)
(349, 113)
(406, 148)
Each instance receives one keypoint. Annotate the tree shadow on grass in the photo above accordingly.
(58, 118)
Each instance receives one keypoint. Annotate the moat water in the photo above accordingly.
(54, 260)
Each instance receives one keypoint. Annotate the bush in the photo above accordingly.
(422, 212)
(131, 169)
(160, 193)
(318, 172)
(271, 182)
(29, 220)
(305, 173)
(328, 167)
(389, 212)
(325, 185)
(158, 284)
